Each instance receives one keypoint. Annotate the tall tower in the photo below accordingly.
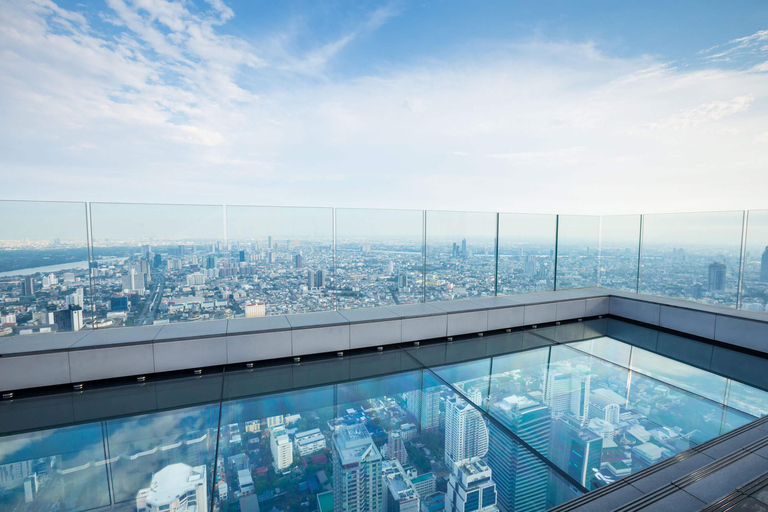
(521, 478)
(357, 472)
(471, 487)
(575, 449)
(568, 391)
(764, 267)
(466, 434)
(425, 406)
(396, 447)
(716, 277)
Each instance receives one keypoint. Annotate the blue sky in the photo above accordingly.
(573, 107)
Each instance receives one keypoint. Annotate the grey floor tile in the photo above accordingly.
(728, 478)
(663, 477)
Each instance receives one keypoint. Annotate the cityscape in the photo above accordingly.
(51, 285)
(454, 438)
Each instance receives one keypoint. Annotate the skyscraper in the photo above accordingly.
(466, 434)
(298, 261)
(716, 277)
(28, 286)
(464, 247)
(521, 478)
(471, 487)
(764, 267)
(396, 447)
(575, 449)
(357, 471)
(425, 406)
(568, 391)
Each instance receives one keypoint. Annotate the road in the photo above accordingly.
(152, 304)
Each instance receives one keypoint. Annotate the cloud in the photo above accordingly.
(750, 45)
(156, 101)
(713, 111)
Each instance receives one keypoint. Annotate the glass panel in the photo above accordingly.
(57, 469)
(460, 255)
(44, 280)
(692, 256)
(287, 257)
(526, 252)
(158, 263)
(619, 244)
(755, 286)
(157, 452)
(748, 399)
(578, 244)
(379, 257)
(679, 374)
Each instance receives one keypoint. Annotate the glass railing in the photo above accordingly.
(79, 266)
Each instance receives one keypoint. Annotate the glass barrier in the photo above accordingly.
(526, 253)
(693, 256)
(159, 263)
(379, 257)
(45, 284)
(754, 295)
(460, 255)
(286, 259)
(578, 245)
(619, 251)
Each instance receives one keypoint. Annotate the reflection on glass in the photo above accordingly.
(755, 286)
(460, 255)
(284, 257)
(526, 253)
(157, 264)
(379, 257)
(619, 250)
(692, 256)
(530, 426)
(578, 242)
(44, 281)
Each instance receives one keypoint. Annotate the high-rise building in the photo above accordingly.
(70, 319)
(315, 279)
(211, 261)
(242, 256)
(399, 493)
(28, 286)
(530, 265)
(471, 487)
(396, 447)
(275, 420)
(298, 261)
(466, 434)
(175, 488)
(521, 478)
(282, 448)
(255, 309)
(425, 406)
(146, 250)
(464, 247)
(575, 449)
(269, 243)
(716, 277)
(568, 391)
(764, 267)
(357, 472)
(402, 280)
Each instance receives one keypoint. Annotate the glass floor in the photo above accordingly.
(521, 421)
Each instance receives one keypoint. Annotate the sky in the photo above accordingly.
(559, 107)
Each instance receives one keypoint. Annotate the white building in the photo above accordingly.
(309, 442)
(471, 488)
(175, 488)
(357, 472)
(245, 482)
(255, 310)
(425, 406)
(275, 420)
(466, 434)
(282, 448)
(195, 279)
